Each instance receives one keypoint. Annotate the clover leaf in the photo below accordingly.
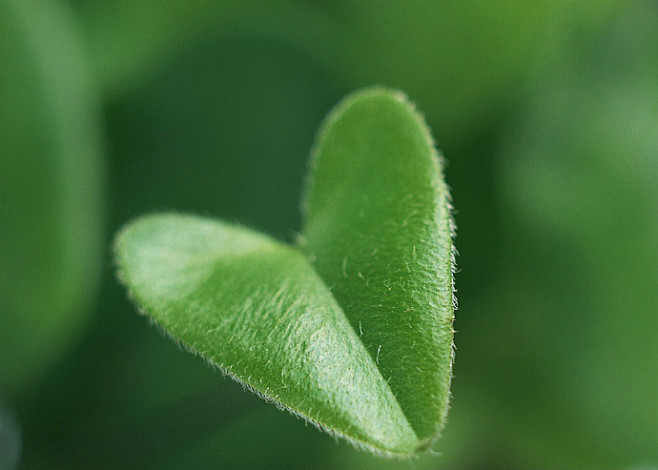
(352, 328)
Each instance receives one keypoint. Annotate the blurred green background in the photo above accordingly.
(547, 112)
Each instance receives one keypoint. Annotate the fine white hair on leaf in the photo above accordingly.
(224, 370)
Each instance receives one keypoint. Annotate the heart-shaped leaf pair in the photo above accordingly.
(352, 328)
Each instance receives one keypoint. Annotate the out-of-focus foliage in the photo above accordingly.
(456, 57)
(10, 439)
(546, 112)
(50, 176)
(580, 182)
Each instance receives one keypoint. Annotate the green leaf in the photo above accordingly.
(50, 179)
(256, 309)
(353, 332)
(379, 231)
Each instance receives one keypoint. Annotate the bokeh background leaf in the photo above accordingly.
(50, 189)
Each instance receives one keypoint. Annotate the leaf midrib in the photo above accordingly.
(358, 336)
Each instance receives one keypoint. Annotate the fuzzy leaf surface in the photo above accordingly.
(255, 308)
(352, 329)
(378, 229)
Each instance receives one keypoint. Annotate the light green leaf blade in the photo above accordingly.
(378, 230)
(256, 309)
